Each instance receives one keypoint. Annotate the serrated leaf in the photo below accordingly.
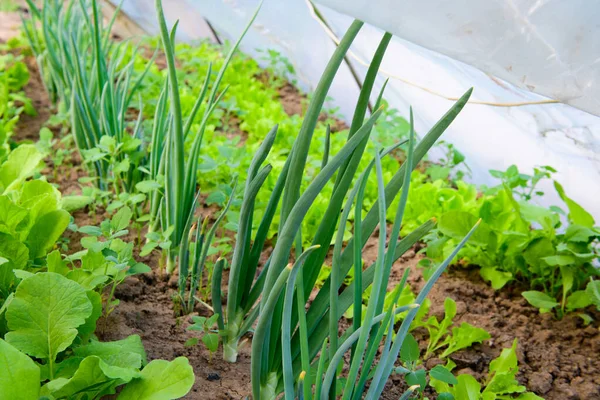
(463, 337)
(44, 316)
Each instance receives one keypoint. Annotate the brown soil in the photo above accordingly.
(558, 359)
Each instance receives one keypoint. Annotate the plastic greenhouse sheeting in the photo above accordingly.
(550, 47)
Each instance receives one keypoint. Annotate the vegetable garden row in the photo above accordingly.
(177, 222)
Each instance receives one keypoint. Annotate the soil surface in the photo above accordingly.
(557, 359)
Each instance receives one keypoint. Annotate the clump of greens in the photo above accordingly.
(14, 75)
(549, 250)
(48, 349)
(500, 383)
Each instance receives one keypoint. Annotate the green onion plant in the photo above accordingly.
(87, 73)
(173, 208)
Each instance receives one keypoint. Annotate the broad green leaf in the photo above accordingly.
(88, 328)
(577, 214)
(442, 374)
(126, 353)
(148, 186)
(467, 388)
(45, 313)
(11, 215)
(457, 224)
(161, 380)
(578, 233)
(537, 250)
(418, 377)
(578, 299)
(17, 256)
(409, 351)
(121, 219)
(19, 375)
(55, 263)
(497, 278)
(46, 231)
(211, 341)
(21, 163)
(559, 260)
(94, 377)
(540, 300)
(74, 203)
(506, 361)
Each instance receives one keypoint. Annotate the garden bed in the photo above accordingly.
(558, 359)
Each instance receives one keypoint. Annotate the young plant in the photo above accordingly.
(210, 337)
(440, 334)
(500, 383)
(175, 172)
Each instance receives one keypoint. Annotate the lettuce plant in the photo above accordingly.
(31, 221)
(13, 102)
(47, 350)
(500, 383)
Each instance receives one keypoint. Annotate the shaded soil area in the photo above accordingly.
(558, 359)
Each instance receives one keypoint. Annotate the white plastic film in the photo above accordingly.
(490, 137)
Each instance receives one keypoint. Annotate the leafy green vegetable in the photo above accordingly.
(44, 315)
(19, 375)
(161, 380)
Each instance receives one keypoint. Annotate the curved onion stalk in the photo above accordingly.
(176, 206)
(347, 344)
(288, 374)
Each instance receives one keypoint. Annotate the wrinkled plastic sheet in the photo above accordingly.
(550, 47)
(490, 137)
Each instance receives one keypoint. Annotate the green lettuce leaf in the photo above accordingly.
(161, 380)
(45, 313)
(19, 376)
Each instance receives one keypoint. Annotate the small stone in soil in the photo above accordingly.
(213, 376)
